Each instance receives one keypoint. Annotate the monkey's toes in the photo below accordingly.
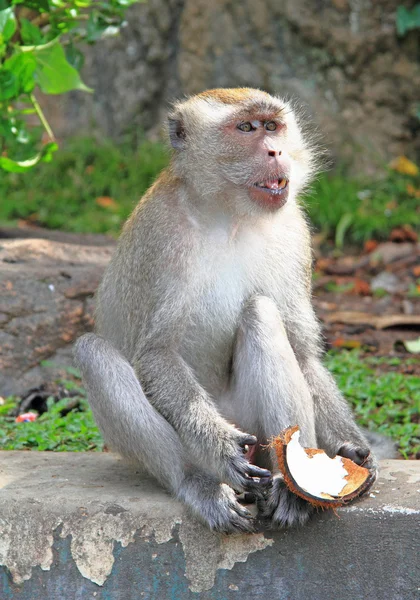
(282, 508)
(225, 515)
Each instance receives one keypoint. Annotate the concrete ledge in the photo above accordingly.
(78, 526)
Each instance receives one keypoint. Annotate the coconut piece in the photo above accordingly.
(311, 474)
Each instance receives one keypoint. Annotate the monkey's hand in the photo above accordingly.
(237, 471)
(362, 456)
(283, 508)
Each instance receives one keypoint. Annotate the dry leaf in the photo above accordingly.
(403, 165)
(347, 344)
(412, 191)
(370, 245)
(106, 202)
(361, 287)
(361, 318)
(405, 233)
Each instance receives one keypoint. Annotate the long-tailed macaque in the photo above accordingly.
(207, 344)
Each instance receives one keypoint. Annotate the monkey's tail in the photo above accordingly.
(129, 423)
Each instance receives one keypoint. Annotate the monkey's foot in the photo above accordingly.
(215, 504)
(361, 456)
(282, 508)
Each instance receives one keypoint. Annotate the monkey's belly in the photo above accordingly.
(210, 358)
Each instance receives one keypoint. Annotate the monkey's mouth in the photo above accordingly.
(273, 186)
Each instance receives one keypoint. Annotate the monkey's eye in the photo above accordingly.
(271, 126)
(247, 127)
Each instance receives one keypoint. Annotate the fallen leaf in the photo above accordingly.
(392, 205)
(348, 344)
(412, 346)
(361, 287)
(403, 165)
(370, 245)
(106, 202)
(416, 271)
(360, 318)
(412, 191)
(322, 264)
(405, 233)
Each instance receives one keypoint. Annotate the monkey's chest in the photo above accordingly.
(212, 324)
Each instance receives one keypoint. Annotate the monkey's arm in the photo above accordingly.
(173, 390)
(335, 426)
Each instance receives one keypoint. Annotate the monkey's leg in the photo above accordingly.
(135, 429)
(269, 393)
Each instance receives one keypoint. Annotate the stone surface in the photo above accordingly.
(77, 526)
(341, 58)
(46, 290)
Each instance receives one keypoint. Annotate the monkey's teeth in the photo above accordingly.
(273, 184)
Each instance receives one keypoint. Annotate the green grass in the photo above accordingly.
(75, 432)
(388, 403)
(64, 193)
(355, 210)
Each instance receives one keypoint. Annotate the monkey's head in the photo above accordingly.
(243, 144)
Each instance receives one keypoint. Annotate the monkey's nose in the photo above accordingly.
(274, 153)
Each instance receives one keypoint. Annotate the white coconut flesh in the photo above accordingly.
(319, 475)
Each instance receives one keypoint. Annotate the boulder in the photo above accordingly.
(46, 290)
(342, 59)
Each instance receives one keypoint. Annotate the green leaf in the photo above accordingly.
(407, 19)
(53, 73)
(39, 5)
(74, 56)
(29, 33)
(22, 66)
(342, 227)
(9, 84)
(16, 166)
(96, 26)
(48, 151)
(7, 23)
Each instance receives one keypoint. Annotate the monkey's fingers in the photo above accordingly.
(355, 453)
(361, 456)
(249, 440)
(254, 471)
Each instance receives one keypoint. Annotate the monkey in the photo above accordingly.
(206, 342)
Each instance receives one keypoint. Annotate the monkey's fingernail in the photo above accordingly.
(251, 440)
(254, 471)
(245, 449)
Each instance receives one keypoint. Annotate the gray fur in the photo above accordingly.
(206, 333)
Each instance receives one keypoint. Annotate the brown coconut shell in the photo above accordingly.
(359, 478)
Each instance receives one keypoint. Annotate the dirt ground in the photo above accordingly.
(371, 300)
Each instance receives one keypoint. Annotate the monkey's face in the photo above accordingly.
(243, 144)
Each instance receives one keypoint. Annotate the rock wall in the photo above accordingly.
(342, 58)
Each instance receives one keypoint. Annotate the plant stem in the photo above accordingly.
(42, 117)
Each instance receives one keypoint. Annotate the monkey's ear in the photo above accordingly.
(176, 133)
